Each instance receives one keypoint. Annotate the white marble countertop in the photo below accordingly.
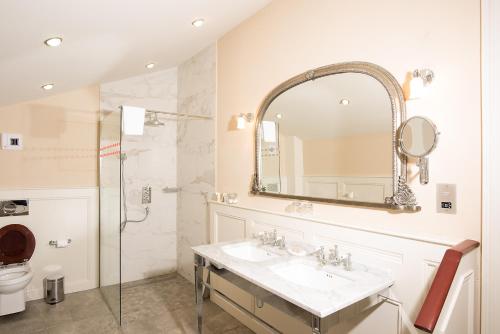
(358, 284)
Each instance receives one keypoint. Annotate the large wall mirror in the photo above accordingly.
(330, 135)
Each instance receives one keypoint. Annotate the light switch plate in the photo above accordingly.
(12, 141)
(446, 198)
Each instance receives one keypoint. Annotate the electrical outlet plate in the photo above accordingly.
(446, 198)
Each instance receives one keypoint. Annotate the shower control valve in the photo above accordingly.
(146, 195)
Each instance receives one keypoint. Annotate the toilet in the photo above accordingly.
(17, 244)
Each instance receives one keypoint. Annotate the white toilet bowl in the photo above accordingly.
(13, 281)
(17, 244)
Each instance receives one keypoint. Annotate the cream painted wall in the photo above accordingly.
(60, 136)
(291, 36)
(325, 157)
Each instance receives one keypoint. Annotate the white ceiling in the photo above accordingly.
(104, 40)
(313, 110)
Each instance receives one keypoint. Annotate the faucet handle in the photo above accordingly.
(334, 253)
(348, 262)
(322, 256)
(282, 242)
(320, 253)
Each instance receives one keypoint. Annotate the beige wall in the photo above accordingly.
(60, 136)
(364, 155)
(292, 36)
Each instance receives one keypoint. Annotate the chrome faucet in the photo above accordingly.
(334, 258)
(334, 254)
(271, 238)
(344, 261)
(320, 255)
(280, 242)
(347, 262)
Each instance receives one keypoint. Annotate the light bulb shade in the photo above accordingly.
(133, 120)
(240, 123)
(416, 88)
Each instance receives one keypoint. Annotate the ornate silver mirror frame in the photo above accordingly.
(403, 197)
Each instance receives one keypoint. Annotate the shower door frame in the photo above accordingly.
(118, 314)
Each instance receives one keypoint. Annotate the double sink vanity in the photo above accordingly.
(309, 284)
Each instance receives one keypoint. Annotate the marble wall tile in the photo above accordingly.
(195, 154)
(148, 248)
(180, 154)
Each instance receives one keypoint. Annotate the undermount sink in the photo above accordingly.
(249, 252)
(310, 275)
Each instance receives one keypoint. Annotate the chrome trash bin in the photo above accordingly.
(53, 289)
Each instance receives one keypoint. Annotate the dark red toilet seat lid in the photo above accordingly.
(17, 244)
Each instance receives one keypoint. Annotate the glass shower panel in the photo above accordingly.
(110, 213)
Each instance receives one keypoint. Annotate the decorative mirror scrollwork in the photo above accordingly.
(331, 135)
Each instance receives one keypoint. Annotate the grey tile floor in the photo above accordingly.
(160, 305)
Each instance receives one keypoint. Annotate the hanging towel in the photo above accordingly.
(133, 120)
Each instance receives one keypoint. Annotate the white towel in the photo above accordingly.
(133, 120)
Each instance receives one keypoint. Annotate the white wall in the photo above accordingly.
(57, 214)
(491, 180)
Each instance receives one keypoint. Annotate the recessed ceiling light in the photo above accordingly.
(198, 23)
(344, 102)
(279, 116)
(150, 65)
(53, 42)
(48, 86)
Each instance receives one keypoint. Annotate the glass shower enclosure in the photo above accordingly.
(157, 170)
(110, 210)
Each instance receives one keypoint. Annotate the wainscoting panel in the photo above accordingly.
(57, 214)
(227, 228)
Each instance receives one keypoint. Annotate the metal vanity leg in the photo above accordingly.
(316, 325)
(199, 264)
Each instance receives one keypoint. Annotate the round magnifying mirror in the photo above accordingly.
(418, 137)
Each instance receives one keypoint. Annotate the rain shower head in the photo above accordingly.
(153, 120)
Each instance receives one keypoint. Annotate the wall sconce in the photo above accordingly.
(420, 79)
(243, 119)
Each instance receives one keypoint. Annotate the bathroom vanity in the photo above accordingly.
(286, 293)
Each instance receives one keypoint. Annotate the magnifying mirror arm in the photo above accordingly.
(423, 165)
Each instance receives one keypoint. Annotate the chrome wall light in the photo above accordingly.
(243, 119)
(420, 79)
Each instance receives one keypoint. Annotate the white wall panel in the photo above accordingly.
(61, 214)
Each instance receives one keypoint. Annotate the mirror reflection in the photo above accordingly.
(331, 137)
